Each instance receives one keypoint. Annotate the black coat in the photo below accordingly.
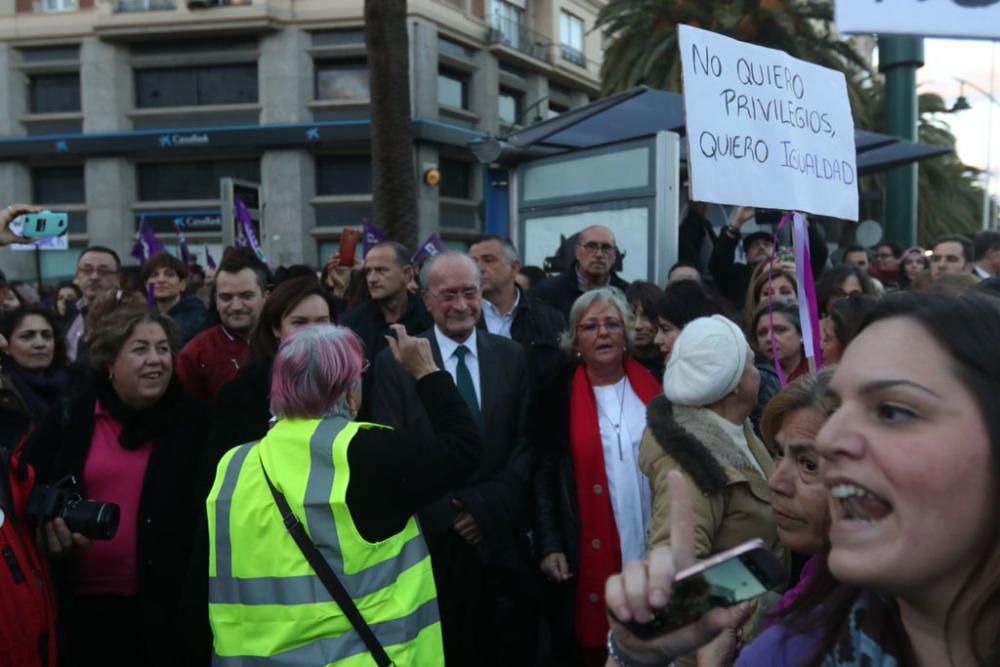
(368, 322)
(242, 409)
(191, 317)
(171, 508)
(562, 290)
(557, 514)
(537, 328)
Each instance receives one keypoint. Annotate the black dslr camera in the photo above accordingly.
(96, 520)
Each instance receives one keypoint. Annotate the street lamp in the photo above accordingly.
(962, 104)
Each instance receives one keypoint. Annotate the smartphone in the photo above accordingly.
(768, 216)
(348, 243)
(44, 224)
(742, 573)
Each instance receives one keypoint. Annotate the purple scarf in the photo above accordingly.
(41, 391)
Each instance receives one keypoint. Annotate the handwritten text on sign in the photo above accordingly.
(941, 18)
(765, 129)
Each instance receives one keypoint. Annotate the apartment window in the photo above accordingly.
(456, 178)
(342, 80)
(508, 19)
(61, 186)
(339, 38)
(162, 181)
(58, 5)
(54, 93)
(453, 48)
(196, 86)
(344, 175)
(144, 5)
(453, 90)
(510, 105)
(571, 38)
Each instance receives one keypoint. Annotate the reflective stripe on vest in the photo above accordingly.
(259, 616)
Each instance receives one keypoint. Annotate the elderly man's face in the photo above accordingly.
(452, 296)
(596, 253)
(96, 272)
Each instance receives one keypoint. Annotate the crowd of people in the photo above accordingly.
(460, 463)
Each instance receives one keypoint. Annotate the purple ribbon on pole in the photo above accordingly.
(372, 236)
(428, 248)
(151, 295)
(146, 243)
(209, 260)
(182, 243)
(808, 305)
(246, 236)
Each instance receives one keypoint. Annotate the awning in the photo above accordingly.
(642, 111)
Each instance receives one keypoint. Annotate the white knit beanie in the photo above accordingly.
(706, 362)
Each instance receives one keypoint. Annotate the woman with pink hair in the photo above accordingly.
(356, 487)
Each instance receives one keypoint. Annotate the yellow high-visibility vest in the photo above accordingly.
(266, 604)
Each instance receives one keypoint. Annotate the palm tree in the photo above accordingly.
(644, 47)
(394, 183)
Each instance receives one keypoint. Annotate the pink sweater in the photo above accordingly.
(113, 474)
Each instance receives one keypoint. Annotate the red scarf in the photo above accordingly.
(597, 518)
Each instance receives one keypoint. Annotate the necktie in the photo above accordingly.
(464, 381)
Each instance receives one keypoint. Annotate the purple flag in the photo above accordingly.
(182, 243)
(209, 260)
(245, 236)
(428, 248)
(373, 236)
(151, 295)
(146, 243)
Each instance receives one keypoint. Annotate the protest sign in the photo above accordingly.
(765, 129)
(936, 18)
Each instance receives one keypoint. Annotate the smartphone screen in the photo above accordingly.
(717, 583)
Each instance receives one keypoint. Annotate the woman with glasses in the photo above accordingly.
(593, 503)
(242, 410)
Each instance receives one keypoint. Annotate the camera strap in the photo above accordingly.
(327, 575)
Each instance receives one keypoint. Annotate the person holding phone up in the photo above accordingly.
(910, 460)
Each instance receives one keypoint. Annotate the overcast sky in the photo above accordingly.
(946, 59)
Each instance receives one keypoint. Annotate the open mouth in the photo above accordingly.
(856, 503)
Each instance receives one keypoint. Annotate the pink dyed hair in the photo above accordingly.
(313, 370)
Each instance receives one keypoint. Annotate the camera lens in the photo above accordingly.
(98, 521)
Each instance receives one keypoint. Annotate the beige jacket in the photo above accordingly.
(730, 499)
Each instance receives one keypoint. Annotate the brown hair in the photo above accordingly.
(810, 391)
(163, 260)
(759, 278)
(106, 340)
(284, 297)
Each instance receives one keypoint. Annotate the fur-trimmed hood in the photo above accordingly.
(699, 446)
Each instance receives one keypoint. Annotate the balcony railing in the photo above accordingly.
(514, 34)
(575, 56)
(144, 5)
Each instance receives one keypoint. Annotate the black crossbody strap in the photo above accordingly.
(327, 575)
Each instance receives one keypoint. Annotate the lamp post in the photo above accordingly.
(899, 58)
(962, 104)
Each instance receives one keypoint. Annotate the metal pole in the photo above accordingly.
(989, 142)
(899, 58)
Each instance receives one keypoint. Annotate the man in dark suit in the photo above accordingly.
(477, 535)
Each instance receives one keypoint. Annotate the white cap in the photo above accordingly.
(706, 362)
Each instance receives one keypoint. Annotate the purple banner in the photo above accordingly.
(209, 260)
(428, 248)
(246, 236)
(146, 243)
(182, 244)
(373, 236)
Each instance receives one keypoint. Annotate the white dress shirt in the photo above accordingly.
(631, 498)
(495, 322)
(448, 347)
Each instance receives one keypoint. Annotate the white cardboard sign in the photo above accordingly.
(938, 18)
(765, 129)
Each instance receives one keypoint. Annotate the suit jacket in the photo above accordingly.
(497, 495)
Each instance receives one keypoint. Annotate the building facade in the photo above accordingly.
(125, 110)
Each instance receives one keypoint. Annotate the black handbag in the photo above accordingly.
(327, 576)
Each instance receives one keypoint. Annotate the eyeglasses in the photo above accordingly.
(591, 328)
(593, 247)
(450, 296)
